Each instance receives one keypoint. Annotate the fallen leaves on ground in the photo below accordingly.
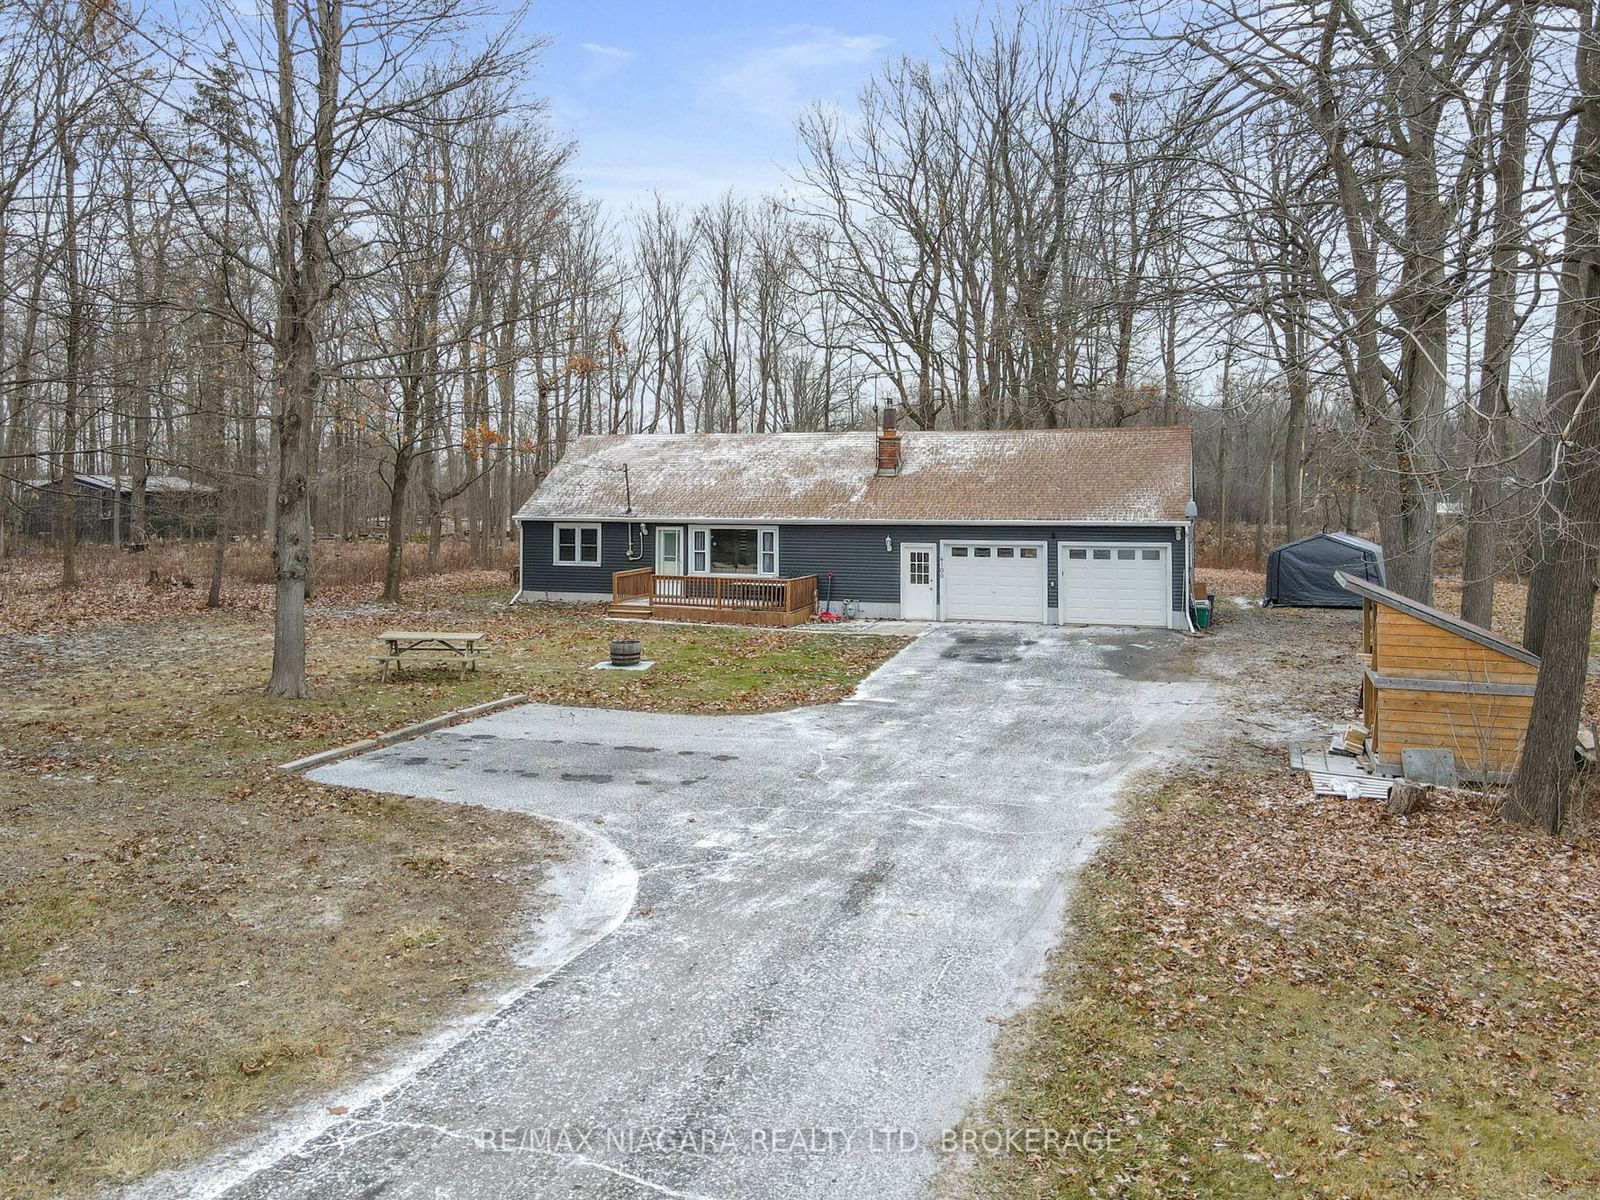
(1269, 993)
(170, 581)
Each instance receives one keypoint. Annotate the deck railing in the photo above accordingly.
(630, 585)
(734, 591)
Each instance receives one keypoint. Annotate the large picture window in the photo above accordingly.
(577, 545)
(733, 550)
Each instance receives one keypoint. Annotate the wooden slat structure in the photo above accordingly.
(724, 599)
(1436, 682)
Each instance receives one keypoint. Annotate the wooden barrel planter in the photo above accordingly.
(626, 652)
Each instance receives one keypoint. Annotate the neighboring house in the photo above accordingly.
(1078, 526)
(103, 508)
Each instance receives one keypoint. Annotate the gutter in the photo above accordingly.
(646, 519)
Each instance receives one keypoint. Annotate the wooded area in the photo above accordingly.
(330, 261)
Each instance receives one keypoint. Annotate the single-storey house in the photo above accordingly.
(103, 508)
(1076, 526)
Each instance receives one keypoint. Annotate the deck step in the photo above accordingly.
(628, 610)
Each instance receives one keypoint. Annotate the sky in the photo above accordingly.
(692, 99)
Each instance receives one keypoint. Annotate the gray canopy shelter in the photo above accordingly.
(1300, 573)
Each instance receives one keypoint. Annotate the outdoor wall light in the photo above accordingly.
(888, 545)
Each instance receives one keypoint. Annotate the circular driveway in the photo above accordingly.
(835, 907)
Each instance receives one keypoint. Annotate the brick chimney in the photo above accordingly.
(888, 444)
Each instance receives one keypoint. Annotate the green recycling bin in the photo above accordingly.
(1202, 614)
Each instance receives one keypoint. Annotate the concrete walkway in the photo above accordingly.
(835, 905)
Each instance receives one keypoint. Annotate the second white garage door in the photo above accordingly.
(1115, 585)
(993, 581)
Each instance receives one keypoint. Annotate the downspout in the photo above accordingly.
(1190, 512)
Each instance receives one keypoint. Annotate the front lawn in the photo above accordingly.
(1266, 994)
(191, 939)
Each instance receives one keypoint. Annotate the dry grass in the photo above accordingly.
(189, 939)
(171, 580)
(1267, 994)
(1231, 548)
(1225, 582)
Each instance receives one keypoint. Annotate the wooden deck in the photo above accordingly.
(724, 599)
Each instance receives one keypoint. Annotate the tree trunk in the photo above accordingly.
(302, 248)
(404, 452)
(1567, 579)
(291, 553)
(1264, 509)
(73, 365)
(1479, 566)
(219, 550)
(1294, 446)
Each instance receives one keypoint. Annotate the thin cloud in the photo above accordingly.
(604, 61)
(779, 80)
(612, 53)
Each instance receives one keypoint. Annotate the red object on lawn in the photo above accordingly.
(827, 614)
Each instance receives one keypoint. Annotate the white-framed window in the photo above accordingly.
(577, 545)
(733, 550)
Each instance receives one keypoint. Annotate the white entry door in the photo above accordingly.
(669, 550)
(1115, 585)
(993, 581)
(919, 597)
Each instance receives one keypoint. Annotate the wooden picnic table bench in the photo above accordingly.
(400, 642)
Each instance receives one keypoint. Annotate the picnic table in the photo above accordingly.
(400, 642)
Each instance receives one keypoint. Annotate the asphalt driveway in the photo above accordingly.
(835, 905)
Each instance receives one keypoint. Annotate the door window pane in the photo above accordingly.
(1005, 552)
(1102, 554)
(958, 551)
(921, 568)
(1029, 552)
(980, 552)
(1152, 555)
(1078, 554)
(1125, 555)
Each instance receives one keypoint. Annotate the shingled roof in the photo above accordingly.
(1110, 476)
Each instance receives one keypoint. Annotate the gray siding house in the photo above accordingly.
(1072, 526)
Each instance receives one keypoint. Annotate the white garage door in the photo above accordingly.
(1115, 585)
(993, 581)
